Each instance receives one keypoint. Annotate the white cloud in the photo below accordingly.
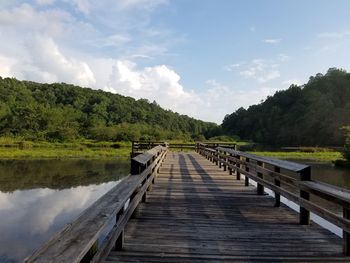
(272, 41)
(249, 73)
(158, 83)
(49, 211)
(48, 64)
(44, 2)
(289, 82)
(336, 34)
(233, 98)
(233, 66)
(284, 57)
(262, 70)
(270, 75)
(6, 65)
(144, 4)
(82, 6)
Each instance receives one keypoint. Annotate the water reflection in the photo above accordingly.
(53, 193)
(327, 172)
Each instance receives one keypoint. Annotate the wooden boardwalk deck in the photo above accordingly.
(197, 212)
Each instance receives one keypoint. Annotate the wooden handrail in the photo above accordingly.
(286, 179)
(79, 240)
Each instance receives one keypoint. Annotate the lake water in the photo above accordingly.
(38, 197)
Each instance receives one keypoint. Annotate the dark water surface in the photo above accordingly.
(38, 197)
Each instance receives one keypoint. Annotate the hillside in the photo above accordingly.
(312, 114)
(63, 112)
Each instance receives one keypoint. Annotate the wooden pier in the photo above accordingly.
(200, 207)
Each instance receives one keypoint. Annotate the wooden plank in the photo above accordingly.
(73, 242)
(292, 166)
(332, 193)
(209, 216)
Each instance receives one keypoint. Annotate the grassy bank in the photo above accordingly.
(15, 148)
(317, 156)
(15, 153)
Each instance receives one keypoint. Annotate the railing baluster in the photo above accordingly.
(224, 161)
(260, 187)
(246, 178)
(230, 164)
(277, 183)
(346, 235)
(304, 214)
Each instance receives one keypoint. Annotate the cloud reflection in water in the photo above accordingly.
(29, 217)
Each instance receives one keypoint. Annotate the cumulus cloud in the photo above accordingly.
(24, 18)
(158, 83)
(49, 211)
(47, 63)
(6, 65)
(225, 99)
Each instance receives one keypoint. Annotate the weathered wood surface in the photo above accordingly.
(199, 213)
(76, 240)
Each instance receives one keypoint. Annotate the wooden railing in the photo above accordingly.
(141, 146)
(288, 179)
(80, 240)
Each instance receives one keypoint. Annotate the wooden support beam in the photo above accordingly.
(120, 242)
(260, 187)
(246, 178)
(346, 235)
(277, 183)
(304, 214)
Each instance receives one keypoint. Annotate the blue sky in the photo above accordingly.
(201, 58)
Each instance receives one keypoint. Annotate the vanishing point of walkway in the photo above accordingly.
(196, 212)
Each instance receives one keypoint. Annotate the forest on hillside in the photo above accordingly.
(61, 112)
(313, 114)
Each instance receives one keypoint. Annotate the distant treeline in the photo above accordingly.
(312, 114)
(62, 112)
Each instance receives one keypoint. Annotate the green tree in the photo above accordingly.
(346, 152)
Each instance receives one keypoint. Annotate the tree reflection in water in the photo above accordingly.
(38, 197)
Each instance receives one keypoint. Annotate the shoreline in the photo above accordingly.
(314, 156)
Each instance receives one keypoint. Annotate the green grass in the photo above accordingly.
(16, 153)
(317, 156)
(15, 148)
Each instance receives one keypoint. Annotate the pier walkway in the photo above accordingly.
(201, 206)
(197, 212)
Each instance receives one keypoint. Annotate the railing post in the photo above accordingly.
(238, 173)
(136, 167)
(224, 161)
(120, 240)
(304, 214)
(277, 183)
(219, 158)
(230, 163)
(260, 188)
(346, 235)
(246, 178)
